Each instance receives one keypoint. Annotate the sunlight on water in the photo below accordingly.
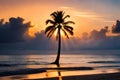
(102, 63)
(60, 74)
(60, 77)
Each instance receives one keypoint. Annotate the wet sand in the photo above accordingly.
(61, 73)
(40, 70)
(109, 76)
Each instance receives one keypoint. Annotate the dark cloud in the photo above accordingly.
(99, 40)
(9, 32)
(13, 31)
(99, 34)
(116, 28)
(41, 42)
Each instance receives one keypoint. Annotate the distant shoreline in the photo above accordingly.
(51, 52)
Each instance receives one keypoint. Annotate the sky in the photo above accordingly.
(87, 14)
(26, 18)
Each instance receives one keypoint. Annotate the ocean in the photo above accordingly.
(37, 59)
(35, 65)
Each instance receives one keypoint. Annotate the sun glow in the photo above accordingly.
(61, 32)
(85, 19)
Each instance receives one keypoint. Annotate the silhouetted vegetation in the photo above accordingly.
(58, 23)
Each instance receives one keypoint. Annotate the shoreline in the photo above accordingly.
(107, 76)
(40, 70)
(86, 73)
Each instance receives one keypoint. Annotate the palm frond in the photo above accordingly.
(68, 22)
(65, 33)
(49, 28)
(69, 31)
(50, 33)
(69, 27)
(50, 21)
(58, 19)
(54, 15)
(63, 13)
(67, 16)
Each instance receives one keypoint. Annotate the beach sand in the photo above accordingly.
(61, 73)
(109, 76)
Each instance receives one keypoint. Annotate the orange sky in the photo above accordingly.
(87, 17)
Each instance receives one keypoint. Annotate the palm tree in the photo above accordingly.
(58, 23)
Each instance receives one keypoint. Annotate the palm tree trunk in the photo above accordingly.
(59, 47)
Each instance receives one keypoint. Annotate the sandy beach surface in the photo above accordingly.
(61, 73)
(109, 76)
(89, 66)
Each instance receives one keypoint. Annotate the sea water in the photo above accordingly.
(13, 60)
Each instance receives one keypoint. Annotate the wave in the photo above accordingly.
(12, 64)
(22, 72)
(41, 70)
(104, 62)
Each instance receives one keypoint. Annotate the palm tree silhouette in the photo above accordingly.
(58, 23)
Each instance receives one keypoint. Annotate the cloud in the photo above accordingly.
(9, 32)
(116, 28)
(97, 39)
(41, 42)
(99, 34)
(14, 31)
